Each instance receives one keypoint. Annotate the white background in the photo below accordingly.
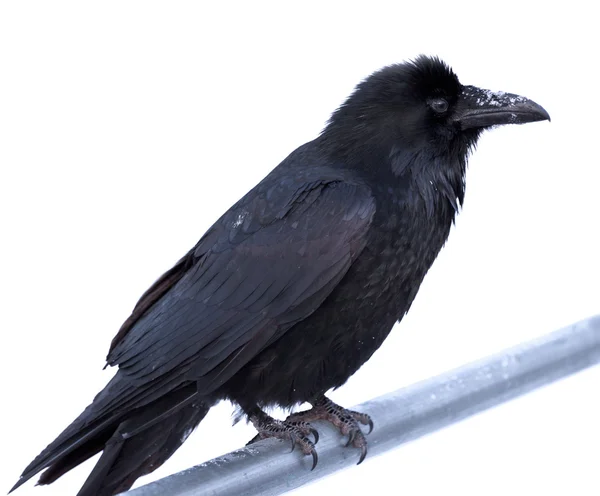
(127, 128)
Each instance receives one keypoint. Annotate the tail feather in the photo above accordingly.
(124, 461)
(60, 465)
(125, 457)
(72, 447)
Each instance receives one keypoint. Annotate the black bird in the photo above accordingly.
(297, 284)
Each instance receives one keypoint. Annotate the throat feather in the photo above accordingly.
(440, 182)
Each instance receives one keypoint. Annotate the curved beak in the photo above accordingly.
(479, 108)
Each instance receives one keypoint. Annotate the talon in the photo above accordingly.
(348, 423)
(315, 434)
(253, 440)
(351, 437)
(315, 459)
(296, 432)
(363, 454)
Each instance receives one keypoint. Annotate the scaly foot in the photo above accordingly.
(347, 421)
(295, 431)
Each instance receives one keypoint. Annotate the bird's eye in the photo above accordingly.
(439, 105)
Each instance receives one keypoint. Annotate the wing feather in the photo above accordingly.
(265, 265)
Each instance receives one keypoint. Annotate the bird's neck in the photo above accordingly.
(431, 174)
(434, 177)
(439, 178)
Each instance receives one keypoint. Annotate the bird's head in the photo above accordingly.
(421, 105)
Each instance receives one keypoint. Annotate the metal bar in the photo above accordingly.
(268, 468)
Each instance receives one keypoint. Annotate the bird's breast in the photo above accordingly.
(325, 349)
(408, 231)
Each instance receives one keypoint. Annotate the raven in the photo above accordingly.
(297, 284)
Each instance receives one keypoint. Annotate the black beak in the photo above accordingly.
(478, 108)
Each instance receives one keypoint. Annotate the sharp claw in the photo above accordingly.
(347, 421)
(363, 454)
(253, 440)
(315, 434)
(315, 458)
(351, 436)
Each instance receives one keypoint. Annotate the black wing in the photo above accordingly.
(268, 263)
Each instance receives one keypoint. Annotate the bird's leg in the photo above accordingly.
(347, 421)
(296, 432)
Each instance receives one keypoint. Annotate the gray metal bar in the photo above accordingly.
(268, 468)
